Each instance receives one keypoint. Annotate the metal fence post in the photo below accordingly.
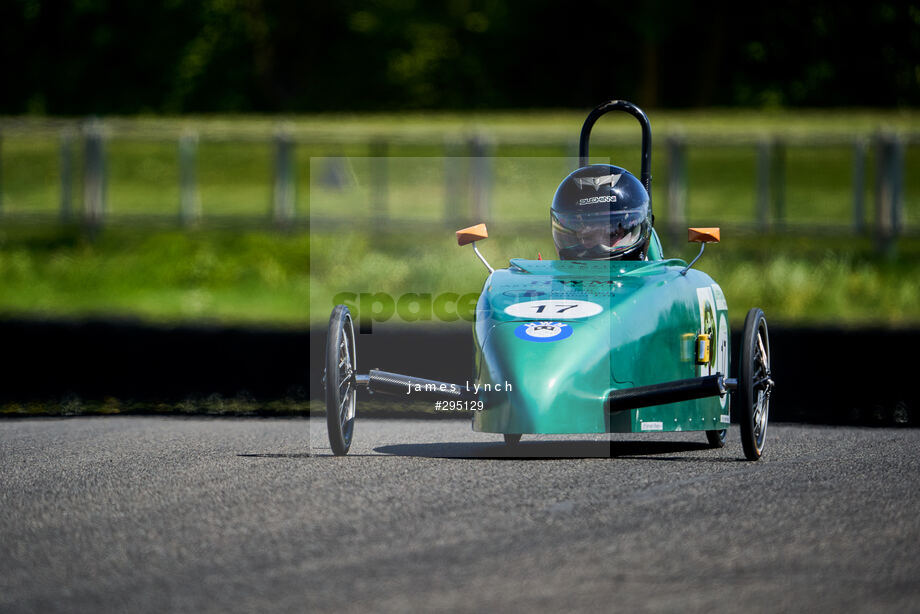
(859, 186)
(778, 186)
(481, 177)
(189, 199)
(882, 214)
(94, 175)
(677, 185)
(896, 170)
(283, 193)
(380, 197)
(67, 175)
(888, 177)
(571, 155)
(453, 182)
(763, 184)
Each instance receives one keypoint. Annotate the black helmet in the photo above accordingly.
(601, 212)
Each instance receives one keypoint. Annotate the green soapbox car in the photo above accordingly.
(588, 346)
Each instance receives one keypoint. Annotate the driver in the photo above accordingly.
(601, 212)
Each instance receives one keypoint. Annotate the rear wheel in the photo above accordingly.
(755, 384)
(716, 439)
(512, 439)
(339, 380)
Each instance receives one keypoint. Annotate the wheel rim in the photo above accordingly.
(762, 385)
(346, 369)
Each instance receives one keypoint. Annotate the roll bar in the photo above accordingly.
(639, 114)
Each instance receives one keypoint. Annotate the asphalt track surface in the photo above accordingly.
(241, 515)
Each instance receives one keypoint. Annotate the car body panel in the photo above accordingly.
(644, 331)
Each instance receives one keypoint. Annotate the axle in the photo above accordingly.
(383, 382)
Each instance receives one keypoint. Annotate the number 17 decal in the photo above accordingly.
(553, 308)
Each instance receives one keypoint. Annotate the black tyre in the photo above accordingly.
(512, 439)
(339, 380)
(716, 439)
(755, 384)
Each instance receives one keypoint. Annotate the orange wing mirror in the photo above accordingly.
(471, 234)
(703, 235)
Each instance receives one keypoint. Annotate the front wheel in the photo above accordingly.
(339, 380)
(755, 384)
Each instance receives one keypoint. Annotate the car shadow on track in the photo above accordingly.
(276, 455)
(546, 450)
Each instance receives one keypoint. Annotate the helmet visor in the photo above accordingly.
(603, 233)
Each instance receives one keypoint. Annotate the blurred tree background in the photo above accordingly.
(209, 87)
(171, 56)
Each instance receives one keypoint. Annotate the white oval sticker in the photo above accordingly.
(555, 309)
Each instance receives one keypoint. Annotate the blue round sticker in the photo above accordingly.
(543, 331)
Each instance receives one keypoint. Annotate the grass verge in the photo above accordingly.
(254, 277)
